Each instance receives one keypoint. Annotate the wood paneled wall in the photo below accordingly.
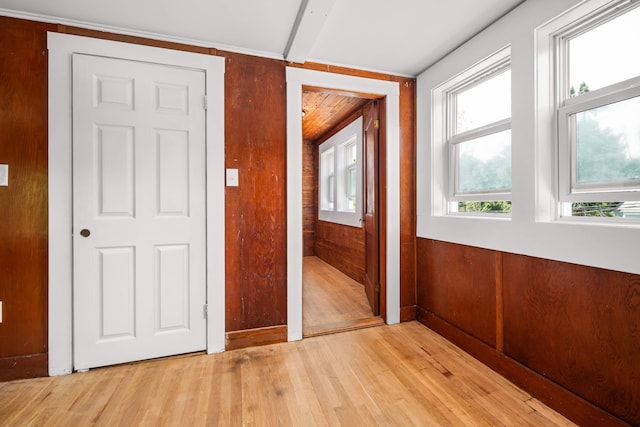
(568, 334)
(23, 204)
(407, 199)
(309, 197)
(342, 247)
(255, 144)
(255, 126)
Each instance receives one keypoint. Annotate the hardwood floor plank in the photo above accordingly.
(400, 375)
(332, 301)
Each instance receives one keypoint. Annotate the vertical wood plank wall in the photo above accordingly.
(23, 204)
(309, 197)
(569, 334)
(339, 245)
(407, 199)
(255, 144)
(255, 131)
(342, 247)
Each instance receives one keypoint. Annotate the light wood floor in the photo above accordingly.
(332, 301)
(400, 375)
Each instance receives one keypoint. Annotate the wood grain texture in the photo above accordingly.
(255, 337)
(342, 247)
(371, 203)
(397, 375)
(255, 238)
(579, 326)
(341, 70)
(325, 111)
(559, 398)
(407, 194)
(26, 366)
(309, 197)
(331, 300)
(84, 32)
(23, 212)
(458, 284)
(255, 144)
(567, 333)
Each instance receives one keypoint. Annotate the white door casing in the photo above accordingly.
(296, 78)
(61, 48)
(139, 210)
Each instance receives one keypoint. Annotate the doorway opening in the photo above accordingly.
(342, 149)
(390, 243)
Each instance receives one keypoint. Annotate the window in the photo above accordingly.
(340, 176)
(351, 182)
(327, 180)
(475, 112)
(598, 113)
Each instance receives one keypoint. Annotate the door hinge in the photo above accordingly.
(206, 310)
(204, 102)
(376, 124)
(378, 287)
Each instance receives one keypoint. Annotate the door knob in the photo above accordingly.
(85, 233)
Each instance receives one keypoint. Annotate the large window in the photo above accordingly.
(340, 176)
(598, 113)
(574, 136)
(474, 112)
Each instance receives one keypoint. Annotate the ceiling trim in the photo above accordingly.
(306, 29)
(135, 33)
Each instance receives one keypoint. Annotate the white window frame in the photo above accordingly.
(533, 229)
(349, 168)
(443, 133)
(567, 108)
(339, 143)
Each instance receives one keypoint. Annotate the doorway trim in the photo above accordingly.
(296, 78)
(60, 305)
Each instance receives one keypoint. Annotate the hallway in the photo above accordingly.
(331, 301)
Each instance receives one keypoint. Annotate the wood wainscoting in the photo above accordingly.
(23, 216)
(255, 143)
(566, 333)
(397, 375)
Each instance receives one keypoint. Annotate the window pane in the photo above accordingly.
(485, 103)
(606, 54)
(498, 206)
(484, 164)
(608, 143)
(351, 156)
(330, 190)
(351, 182)
(606, 209)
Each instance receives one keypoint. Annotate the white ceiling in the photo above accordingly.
(399, 37)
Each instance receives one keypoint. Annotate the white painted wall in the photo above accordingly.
(532, 229)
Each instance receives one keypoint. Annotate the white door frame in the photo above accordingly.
(296, 78)
(61, 47)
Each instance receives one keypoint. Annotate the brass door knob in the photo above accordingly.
(85, 233)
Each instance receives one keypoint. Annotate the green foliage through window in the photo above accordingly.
(498, 206)
(596, 209)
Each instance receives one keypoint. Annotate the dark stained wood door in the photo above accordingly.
(371, 192)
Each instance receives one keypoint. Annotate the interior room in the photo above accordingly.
(320, 212)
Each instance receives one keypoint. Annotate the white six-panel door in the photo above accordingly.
(139, 211)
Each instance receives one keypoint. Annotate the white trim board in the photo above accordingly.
(296, 78)
(50, 19)
(61, 46)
